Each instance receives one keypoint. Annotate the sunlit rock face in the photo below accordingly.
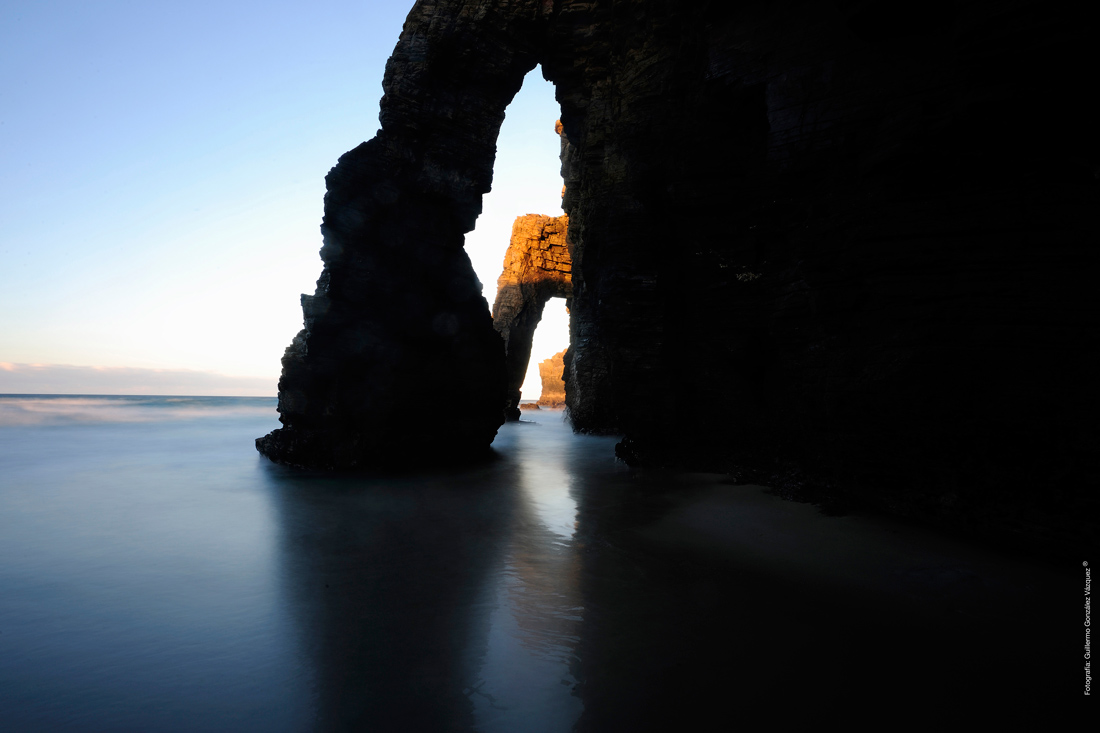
(537, 267)
(553, 386)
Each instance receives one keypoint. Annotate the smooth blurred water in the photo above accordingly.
(157, 574)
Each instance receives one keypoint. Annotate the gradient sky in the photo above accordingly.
(162, 180)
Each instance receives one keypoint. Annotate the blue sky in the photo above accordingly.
(162, 180)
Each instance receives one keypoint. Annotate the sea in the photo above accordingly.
(158, 574)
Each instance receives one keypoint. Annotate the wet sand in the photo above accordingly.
(157, 574)
(778, 604)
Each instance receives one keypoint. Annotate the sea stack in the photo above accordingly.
(553, 386)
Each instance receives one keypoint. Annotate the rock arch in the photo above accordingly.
(843, 233)
(398, 307)
(537, 268)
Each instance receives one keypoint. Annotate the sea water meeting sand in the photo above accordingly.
(157, 574)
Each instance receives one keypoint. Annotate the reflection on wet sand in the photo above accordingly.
(555, 589)
(436, 602)
(534, 627)
(155, 574)
(387, 579)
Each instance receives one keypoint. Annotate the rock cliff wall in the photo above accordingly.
(553, 385)
(537, 267)
(835, 236)
(847, 238)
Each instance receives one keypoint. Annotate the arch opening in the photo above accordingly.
(519, 243)
(526, 177)
(543, 382)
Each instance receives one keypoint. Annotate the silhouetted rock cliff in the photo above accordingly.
(833, 237)
(398, 309)
(841, 239)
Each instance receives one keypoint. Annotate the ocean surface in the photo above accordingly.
(158, 574)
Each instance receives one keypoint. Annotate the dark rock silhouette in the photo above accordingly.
(842, 244)
(398, 311)
(848, 243)
(536, 268)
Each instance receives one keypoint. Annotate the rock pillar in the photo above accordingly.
(398, 316)
(553, 385)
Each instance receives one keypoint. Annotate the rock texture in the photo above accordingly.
(553, 385)
(840, 239)
(537, 267)
(849, 238)
(397, 307)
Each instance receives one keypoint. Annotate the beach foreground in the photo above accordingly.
(157, 574)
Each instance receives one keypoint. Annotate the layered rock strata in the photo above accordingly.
(553, 385)
(537, 267)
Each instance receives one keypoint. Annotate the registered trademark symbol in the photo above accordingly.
(1085, 564)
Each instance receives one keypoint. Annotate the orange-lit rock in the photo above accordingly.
(537, 267)
(553, 384)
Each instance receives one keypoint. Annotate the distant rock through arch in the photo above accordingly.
(537, 267)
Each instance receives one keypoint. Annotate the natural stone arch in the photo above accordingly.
(801, 218)
(398, 308)
(537, 267)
